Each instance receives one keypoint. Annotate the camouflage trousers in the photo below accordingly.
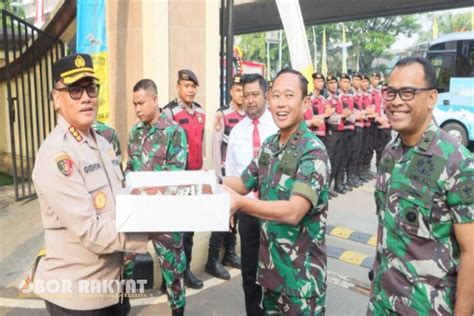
(275, 303)
(170, 252)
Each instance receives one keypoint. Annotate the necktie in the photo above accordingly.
(255, 138)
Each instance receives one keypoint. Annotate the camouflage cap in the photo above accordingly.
(318, 75)
(186, 74)
(73, 68)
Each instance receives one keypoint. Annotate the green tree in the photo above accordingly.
(369, 39)
(372, 38)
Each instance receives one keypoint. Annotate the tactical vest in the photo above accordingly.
(358, 105)
(193, 125)
(318, 105)
(377, 100)
(337, 104)
(231, 118)
(367, 101)
(347, 103)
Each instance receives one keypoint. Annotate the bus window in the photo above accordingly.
(464, 68)
(444, 65)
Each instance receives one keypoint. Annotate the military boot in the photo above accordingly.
(214, 267)
(177, 312)
(231, 259)
(332, 193)
(191, 280)
(338, 187)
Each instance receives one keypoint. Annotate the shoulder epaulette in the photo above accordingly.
(77, 136)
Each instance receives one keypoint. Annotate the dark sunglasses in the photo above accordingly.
(76, 91)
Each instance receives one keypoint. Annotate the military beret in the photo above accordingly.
(317, 75)
(356, 74)
(73, 68)
(186, 74)
(331, 78)
(376, 74)
(236, 80)
(344, 76)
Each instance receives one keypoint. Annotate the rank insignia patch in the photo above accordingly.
(99, 200)
(65, 165)
(466, 191)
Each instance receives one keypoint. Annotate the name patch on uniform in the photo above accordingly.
(183, 121)
(100, 199)
(92, 167)
(425, 169)
(65, 164)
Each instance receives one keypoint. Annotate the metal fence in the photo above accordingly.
(29, 55)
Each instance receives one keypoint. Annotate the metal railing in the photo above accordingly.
(29, 55)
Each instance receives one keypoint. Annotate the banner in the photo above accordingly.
(91, 38)
(292, 19)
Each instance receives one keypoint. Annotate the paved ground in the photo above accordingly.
(20, 227)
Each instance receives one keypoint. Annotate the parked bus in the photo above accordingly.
(453, 58)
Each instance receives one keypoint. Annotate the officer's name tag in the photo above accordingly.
(92, 167)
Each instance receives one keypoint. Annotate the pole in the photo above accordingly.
(229, 43)
(280, 48)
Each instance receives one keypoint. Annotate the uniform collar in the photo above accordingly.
(76, 134)
(183, 105)
(302, 128)
(425, 144)
(233, 106)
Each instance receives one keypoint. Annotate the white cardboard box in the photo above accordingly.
(168, 213)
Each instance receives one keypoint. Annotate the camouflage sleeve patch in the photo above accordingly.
(460, 196)
(312, 176)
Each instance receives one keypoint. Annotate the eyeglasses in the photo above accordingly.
(76, 91)
(405, 93)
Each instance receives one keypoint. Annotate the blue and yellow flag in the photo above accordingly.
(91, 39)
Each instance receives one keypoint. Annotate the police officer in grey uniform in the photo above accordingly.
(76, 176)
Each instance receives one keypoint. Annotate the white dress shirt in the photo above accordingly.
(240, 146)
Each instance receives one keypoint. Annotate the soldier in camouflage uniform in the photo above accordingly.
(425, 206)
(156, 143)
(291, 174)
(111, 136)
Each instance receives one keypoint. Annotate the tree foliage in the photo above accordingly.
(368, 40)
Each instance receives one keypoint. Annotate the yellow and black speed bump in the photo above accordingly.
(352, 257)
(349, 234)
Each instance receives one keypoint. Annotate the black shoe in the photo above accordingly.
(192, 281)
(347, 187)
(216, 269)
(232, 260)
(339, 189)
(333, 193)
(177, 312)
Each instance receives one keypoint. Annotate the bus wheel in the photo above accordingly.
(457, 131)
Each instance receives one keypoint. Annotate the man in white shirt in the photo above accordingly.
(244, 143)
